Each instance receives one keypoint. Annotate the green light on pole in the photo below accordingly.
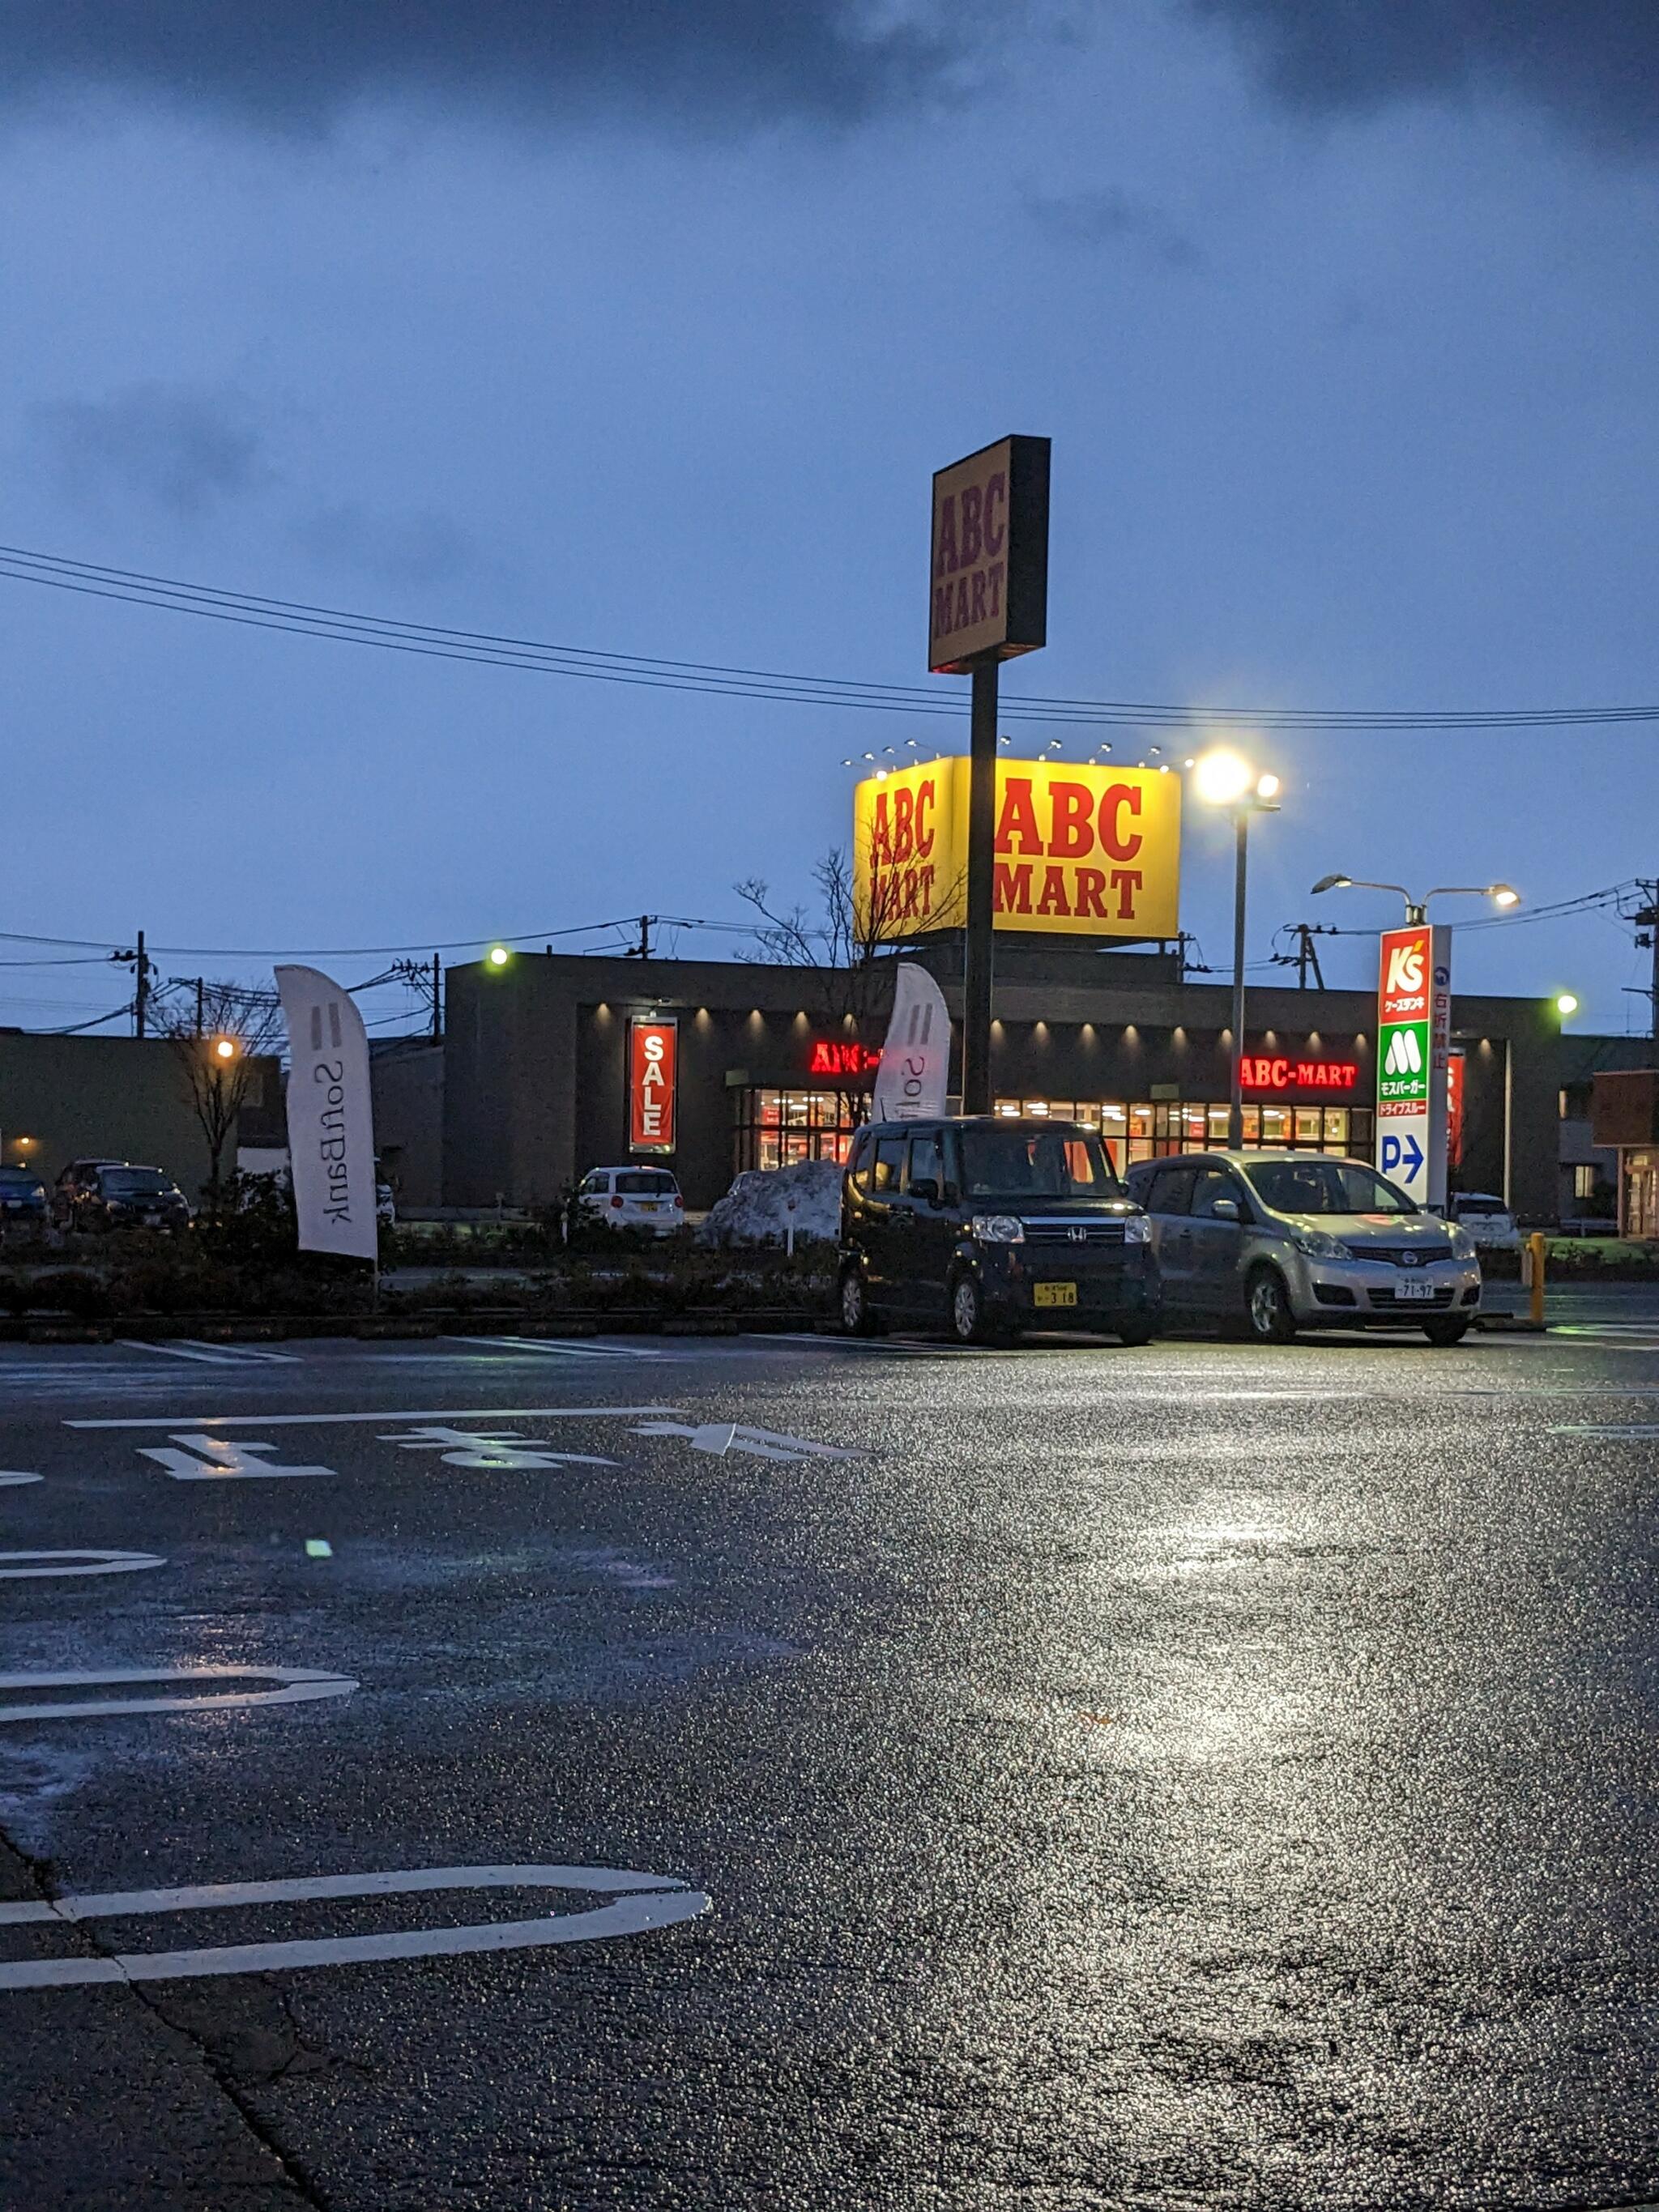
(498, 955)
(1565, 1003)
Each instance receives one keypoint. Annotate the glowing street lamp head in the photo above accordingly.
(1222, 779)
(499, 956)
(1565, 1003)
(224, 1048)
(1267, 787)
(1504, 895)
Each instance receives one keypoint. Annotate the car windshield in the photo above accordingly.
(1473, 1205)
(647, 1183)
(1309, 1185)
(1018, 1164)
(23, 1179)
(136, 1183)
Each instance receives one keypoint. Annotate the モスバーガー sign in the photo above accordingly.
(653, 1081)
(1085, 852)
(989, 585)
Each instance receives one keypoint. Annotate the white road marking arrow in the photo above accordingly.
(640, 1901)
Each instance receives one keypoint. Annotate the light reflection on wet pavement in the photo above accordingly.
(1200, 1775)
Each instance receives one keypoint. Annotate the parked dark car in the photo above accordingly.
(989, 1225)
(22, 1198)
(118, 1196)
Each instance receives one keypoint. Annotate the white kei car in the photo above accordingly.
(1484, 1219)
(631, 1198)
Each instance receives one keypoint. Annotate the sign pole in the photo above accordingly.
(978, 958)
(988, 599)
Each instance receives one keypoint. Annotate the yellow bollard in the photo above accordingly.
(1532, 1269)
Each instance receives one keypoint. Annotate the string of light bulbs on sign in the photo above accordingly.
(897, 753)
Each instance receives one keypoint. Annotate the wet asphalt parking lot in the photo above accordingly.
(786, 1774)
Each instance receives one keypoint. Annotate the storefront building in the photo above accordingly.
(554, 1065)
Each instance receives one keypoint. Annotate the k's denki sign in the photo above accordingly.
(1078, 851)
(988, 595)
(652, 1083)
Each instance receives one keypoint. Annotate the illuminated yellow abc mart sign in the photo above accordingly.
(1080, 851)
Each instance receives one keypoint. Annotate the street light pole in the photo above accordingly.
(1241, 870)
(1223, 780)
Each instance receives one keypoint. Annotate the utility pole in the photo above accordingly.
(141, 964)
(1646, 919)
(437, 999)
(201, 1008)
(1307, 955)
(642, 949)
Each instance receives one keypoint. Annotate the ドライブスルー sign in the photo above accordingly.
(988, 583)
(1413, 1037)
(652, 1083)
(1078, 852)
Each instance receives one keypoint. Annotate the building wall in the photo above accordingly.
(535, 1089)
(79, 1097)
(406, 1076)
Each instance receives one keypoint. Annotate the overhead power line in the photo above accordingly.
(300, 617)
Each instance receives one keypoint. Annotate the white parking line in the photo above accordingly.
(296, 1686)
(207, 1354)
(558, 1348)
(7, 1478)
(383, 1414)
(102, 1562)
(642, 1901)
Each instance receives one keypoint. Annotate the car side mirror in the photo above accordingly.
(924, 1187)
(1225, 1209)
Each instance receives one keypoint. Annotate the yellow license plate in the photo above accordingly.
(1054, 1294)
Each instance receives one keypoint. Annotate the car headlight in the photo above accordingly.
(1462, 1244)
(1137, 1230)
(998, 1229)
(1320, 1244)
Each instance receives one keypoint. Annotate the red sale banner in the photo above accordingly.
(653, 1081)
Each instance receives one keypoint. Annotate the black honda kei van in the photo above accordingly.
(991, 1225)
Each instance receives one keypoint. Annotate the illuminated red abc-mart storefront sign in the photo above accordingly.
(1273, 1074)
(653, 1067)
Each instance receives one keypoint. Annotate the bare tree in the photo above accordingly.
(217, 1031)
(849, 949)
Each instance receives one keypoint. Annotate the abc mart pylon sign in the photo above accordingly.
(1413, 1050)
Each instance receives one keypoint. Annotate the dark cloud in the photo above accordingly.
(295, 63)
(1109, 217)
(182, 447)
(407, 548)
(1592, 64)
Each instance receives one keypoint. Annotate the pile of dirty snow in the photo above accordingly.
(757, 1208)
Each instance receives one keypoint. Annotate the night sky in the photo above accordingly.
(643, 326)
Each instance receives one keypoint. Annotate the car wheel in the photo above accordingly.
(1444, 1334)
(1268, 1308)
(969, 1323)
(856, 1318)
(1135, 1333)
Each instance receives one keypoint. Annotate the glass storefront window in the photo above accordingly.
(1336, 1128)
(1275, 1124)
(776, 1128)
(1309, 1124)
(1252, 1120)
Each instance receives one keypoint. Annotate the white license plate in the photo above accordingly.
(1423, 1291)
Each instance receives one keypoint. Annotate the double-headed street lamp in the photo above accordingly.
(1223, 779)
(1416, 910)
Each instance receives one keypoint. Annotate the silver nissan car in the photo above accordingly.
(1276, 1242)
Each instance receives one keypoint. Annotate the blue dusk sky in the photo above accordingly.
(642, 325)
